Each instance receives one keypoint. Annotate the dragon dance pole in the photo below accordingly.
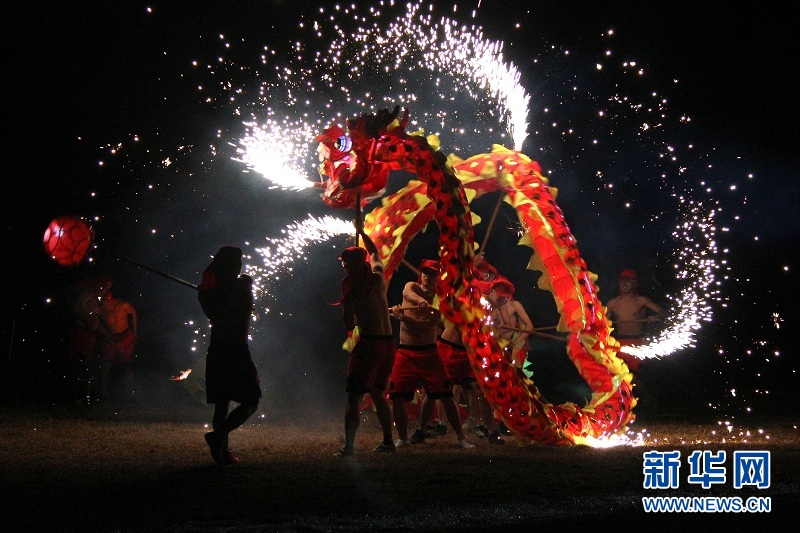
(160, 273)
(536, 333)
(491, 222)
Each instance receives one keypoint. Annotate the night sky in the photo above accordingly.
(111, 121)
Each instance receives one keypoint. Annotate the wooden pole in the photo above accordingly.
(537, 333)
(154, 271)
(414, 269)
(359, 215)
(491, 222)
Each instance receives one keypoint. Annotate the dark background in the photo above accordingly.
(82, 77)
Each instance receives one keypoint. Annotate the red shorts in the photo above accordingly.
(121, 348)
(416, 366)
(630, 360)
(370, 363)
(456, 361)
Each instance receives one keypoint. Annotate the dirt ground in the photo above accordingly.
(137, 468)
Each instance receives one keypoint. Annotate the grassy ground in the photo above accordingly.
(147, 468)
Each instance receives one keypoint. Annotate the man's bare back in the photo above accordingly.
(371, 313)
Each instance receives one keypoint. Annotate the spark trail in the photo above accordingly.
(457, 80)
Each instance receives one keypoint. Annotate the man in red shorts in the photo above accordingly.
(630, 312)
(417, 361)
(117, 330)
(369, 366)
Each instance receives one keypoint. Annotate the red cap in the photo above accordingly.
(504, 288)
(628, 273)
(429, 264)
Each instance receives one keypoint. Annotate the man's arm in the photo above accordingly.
(417, 316)
(658, 311)
(133, 321)
(522, 315)
(611, 309)
(374, 257)
(413, 294)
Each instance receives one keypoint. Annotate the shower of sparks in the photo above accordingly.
(415, 56)
(695, 262)
(459, 82)
(603, 135)
(274, 152)
(280, 253)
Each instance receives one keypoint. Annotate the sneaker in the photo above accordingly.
(344, 452)
(417, 437)
(481, 431)
(401, 443)
(385, 447)
(495, 438)
(465, 445)
(440, 429)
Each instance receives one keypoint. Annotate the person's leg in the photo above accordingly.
(239, 416)
(400, 418)
(426, 412)
(475, 411)
(235, 419)
(487, 413)
(352, 419)
(451, 410)
(384, 413)
(217, 439)
(220, 416)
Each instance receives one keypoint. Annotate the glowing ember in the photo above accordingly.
(183, 375)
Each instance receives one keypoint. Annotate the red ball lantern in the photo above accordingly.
(67, 240)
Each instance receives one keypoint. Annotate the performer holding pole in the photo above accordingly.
(369, 366)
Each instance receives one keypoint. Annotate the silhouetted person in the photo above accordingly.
(227, 301)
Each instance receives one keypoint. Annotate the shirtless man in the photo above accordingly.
(370, 363)
(418, 362)
(506, 311)
(118, 325)
(629, 312)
